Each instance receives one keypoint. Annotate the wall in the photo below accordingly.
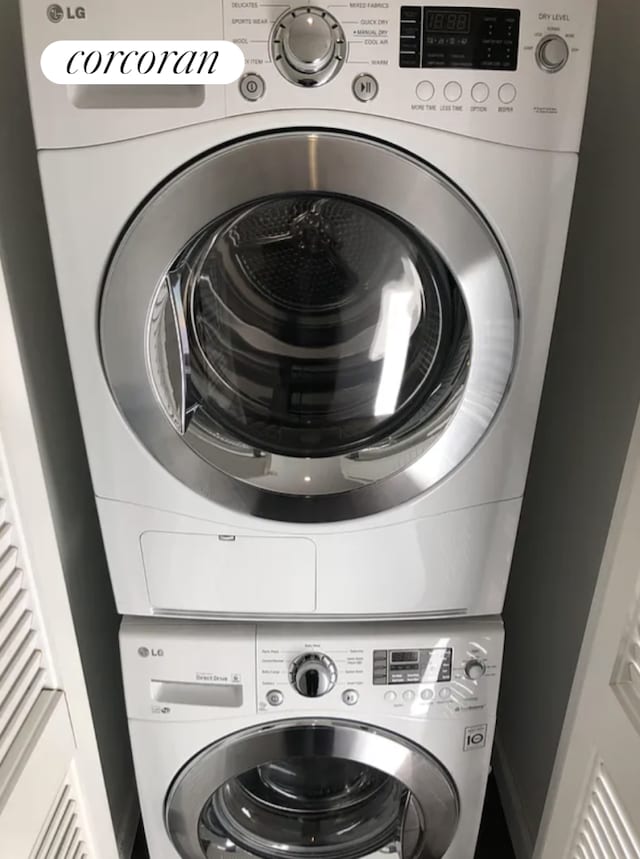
(34, 304)
(589, 403)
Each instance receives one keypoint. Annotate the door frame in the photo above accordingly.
(298, 162)
(429, 783)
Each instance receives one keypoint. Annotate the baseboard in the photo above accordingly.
(128, 828)
(521, 838)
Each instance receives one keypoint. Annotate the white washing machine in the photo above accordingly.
(337, 741)
(308, 313)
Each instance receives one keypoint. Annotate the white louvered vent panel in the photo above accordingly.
(62, 837)
(604, 830)
(22, 674)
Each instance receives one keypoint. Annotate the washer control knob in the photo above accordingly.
(313, 674)
(474, 669)
(552, 53)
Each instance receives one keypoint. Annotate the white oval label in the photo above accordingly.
(142, 62)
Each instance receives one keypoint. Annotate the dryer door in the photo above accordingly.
(310, 315)
(305, 789)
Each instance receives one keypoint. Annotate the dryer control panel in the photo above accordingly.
(502, 71)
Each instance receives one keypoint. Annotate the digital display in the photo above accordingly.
(459, 37)
(448, 21)
(426, 665)
(404, 656)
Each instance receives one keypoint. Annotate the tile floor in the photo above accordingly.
(493, 842)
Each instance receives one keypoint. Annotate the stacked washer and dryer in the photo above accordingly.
(308, 317)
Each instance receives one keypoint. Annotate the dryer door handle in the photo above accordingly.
(187, 403)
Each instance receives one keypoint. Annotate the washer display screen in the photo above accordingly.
(425, 665)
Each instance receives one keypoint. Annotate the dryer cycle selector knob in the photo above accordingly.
(308, 45)
(552, 53)
(308, 41)
(313, 674)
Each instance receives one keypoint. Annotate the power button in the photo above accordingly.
(252, 87)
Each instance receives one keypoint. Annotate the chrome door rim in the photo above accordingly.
(429, 783)
(315, 162)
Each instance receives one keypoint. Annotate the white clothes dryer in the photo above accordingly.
(329, 741)
(308, 313)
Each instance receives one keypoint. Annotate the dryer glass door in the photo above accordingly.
(317, 325)
(328, 789)
(308, 314)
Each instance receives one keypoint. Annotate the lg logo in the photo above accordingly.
(146, 651)
(55, 13)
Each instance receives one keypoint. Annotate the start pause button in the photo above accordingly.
(365, 87)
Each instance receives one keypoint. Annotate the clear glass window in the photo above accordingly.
(317, 326)
(302, 807)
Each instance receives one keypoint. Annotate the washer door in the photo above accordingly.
(304, 789)
(308, 314)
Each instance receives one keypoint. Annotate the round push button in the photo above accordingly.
(350, 697)
(275, 697)
(365, 87)
(426, 694)
(480, 92)
(390, 696)
(452, 91)
(252, 87)
(445, 693)
(409, 695)
(507, 93)
(425, 90)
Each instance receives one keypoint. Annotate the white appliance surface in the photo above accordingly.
(194, 686)
(510, 146)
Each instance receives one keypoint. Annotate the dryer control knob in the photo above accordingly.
(308, 40)
(313, 674)
(474, 669)
(552, 53)
(308, 45)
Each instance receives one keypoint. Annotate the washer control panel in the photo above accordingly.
(192, 670)
(432, 670)
(412, 666)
